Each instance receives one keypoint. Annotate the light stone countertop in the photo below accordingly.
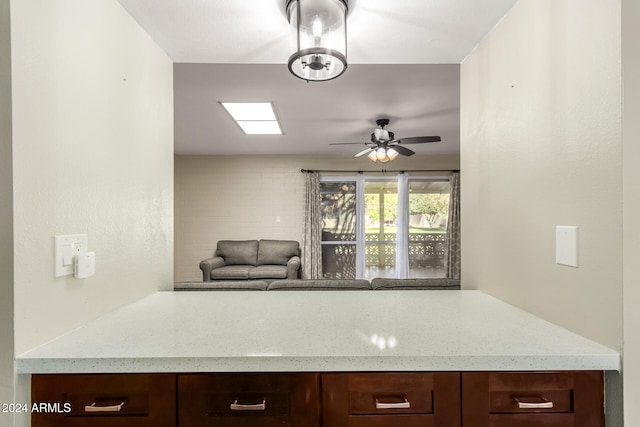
(296, 331)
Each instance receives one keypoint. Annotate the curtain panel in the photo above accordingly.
(312, 228)
(452, 261)
(402, 228)
(360, 227)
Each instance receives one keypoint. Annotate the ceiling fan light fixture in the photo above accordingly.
(392, 154)
(318, 38)
(384, 147)
(382, 154)
(381, 134)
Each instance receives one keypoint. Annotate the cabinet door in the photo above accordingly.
(532, 399)
(104, 400)
(249, 400)
(391, 399)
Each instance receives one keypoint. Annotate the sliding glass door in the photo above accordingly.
(381, 218)
(428, 213)
(384, 233)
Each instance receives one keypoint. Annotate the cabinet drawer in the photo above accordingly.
(524, 399)
(104, 400)
(391, 399)
(225, 400)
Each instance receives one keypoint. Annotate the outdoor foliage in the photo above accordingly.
(430, 204)
(338, 207)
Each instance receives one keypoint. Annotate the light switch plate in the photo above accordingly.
(73, 244)
(567, 245)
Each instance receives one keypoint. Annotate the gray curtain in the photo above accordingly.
(453, 229)
(312, 231)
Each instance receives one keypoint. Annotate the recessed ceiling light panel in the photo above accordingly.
(254, 118)
(260, 127)
(250, 110)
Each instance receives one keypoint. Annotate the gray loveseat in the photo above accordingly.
(252, 259)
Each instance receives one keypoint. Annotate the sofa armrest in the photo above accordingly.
(293, 266)
(209, 264)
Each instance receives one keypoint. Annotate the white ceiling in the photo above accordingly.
(403, 58)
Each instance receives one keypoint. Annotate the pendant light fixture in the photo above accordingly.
(318, 38)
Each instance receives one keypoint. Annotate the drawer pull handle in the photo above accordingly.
(108, 408)
(393, 405)
(235, 406)
(533, 402)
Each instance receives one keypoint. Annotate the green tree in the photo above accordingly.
(429, 204)
(372, 203)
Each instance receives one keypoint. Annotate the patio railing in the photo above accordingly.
(426, 251)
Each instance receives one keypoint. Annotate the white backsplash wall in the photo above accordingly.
(541, 147)
(6, 217)
(631, 207)
(92, 154)
(239, 198)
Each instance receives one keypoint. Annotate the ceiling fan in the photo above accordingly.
(384, 147)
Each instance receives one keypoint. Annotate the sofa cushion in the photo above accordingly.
(318, 285)
(380, 283)
(244, 252)
(277, 252)
(238, 285)
(268, 272)
(231, 272)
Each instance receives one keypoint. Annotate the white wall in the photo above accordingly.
(239, 197)
(92, 153)
(541, 146)
(631, 212)
(6, 216)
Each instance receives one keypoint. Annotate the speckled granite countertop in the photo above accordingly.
(299, 331)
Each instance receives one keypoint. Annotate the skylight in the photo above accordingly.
(254, 118)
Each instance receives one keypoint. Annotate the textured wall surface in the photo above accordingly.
(631, 186)
(93, 153)
(541, 147)
(6, 216)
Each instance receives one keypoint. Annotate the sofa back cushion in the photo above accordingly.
(277, 252)
(380, 283)
(235, 252)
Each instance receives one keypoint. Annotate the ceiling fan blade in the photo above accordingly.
(363, 152)
(349, 143)
(402, 150)
(419, 139)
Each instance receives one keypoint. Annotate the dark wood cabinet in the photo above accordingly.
(533, 399)
(248, 400)
(104, 400)
(374, 399)
(391, 399)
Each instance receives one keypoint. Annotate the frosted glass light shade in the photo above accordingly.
(392, 154)
(382, 154)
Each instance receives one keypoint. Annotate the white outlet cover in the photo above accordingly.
(85, 265)
(80, 244)
(567, 245)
